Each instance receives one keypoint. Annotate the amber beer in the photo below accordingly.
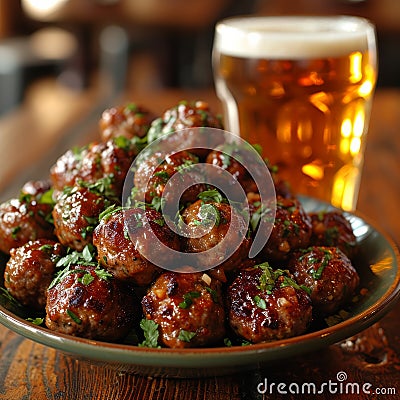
(301, 87)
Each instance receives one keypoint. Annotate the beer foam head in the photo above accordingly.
(294, 37)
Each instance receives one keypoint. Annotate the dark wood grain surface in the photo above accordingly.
(31, 371)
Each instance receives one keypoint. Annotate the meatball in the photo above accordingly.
(22, 220)
(208, 224)
(291, 229)
(234, 160)
(329, 275)
(30, 270)
(121, 242)
(188, 309)
(152, 176)
(87, 302)
(331, 228)
(182, 117)
(130, 120)
(111, 159)
(76, 214)
(265, 304)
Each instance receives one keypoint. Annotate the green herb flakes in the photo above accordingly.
(36, 321)
(211, 195)
(150, 331)
(186, 336)
(74, 317)
(188, 299)
(259, 302)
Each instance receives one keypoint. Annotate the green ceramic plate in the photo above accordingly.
(378, 266)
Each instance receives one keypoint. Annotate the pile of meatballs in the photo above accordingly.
(73, 265)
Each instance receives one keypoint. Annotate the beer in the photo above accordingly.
(301, 87)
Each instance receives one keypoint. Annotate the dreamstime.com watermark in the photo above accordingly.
(340, 385)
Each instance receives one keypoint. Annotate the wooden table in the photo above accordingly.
(31, 371)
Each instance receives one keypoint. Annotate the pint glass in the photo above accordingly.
(301, 87)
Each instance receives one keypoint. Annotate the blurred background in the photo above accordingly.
(144, 45)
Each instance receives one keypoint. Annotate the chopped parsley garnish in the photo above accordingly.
(213, 293)
(211, 195)
(259, 302)
(186, 336)
(86, 279)
(287, 281)
(312, 260)
(86, 257)
(91, 220)
(139, 143)
(46, 248)
(269, 278)
(87, 230)
(186, 165)
(109, 211)
(122, 142)
(227, 342)
(150, 331)
(36, 321)
(157, 203)
(61, 275)
(258, 148)
(290, 227)
(101, 187)
(78, 152)
(163, 175)
(102, 273)
(74, 317)
(159, 221)
(131, 107)
(188, 299)
(261, 213)
(47, 197)
(14, 232)
(25, 197)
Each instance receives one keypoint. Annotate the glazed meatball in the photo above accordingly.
(22, 220)
(182, 117)
(208, 224)
(88, 302)
(329, 275)
(130, 120)
(188, 309)
(111, 159)
(122, 250)
(76, 214)
(30, 270)
(331, 228)
(236, 161)
(291, 229)
(152, 176)
(265, 304)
